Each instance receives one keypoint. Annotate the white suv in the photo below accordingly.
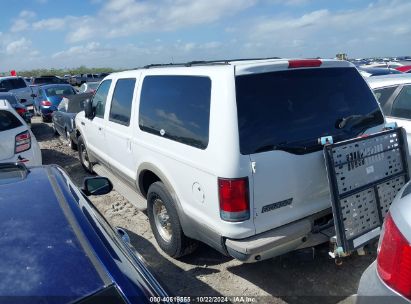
(227, 153)
(17, 142)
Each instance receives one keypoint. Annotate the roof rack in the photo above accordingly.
(204, 62)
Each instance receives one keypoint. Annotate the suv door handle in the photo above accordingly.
(83, 123)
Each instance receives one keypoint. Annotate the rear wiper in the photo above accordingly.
(356, 119)
(284, 146)
(342, 122)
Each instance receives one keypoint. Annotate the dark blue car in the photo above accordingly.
(55, 247)
(48, 98)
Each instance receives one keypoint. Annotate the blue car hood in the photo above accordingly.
(42, 254)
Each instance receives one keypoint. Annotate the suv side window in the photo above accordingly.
(383, 95)
(100, 98)
(18, 83)
(177, 108)
(120, 111)
(402, 104)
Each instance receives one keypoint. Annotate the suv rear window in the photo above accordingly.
(8, 121)
(12, 84)
(290, 110)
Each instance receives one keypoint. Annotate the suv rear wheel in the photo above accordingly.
(83, 155)
(165, 223)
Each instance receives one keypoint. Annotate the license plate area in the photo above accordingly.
(364, 176)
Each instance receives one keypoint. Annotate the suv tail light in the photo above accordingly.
(23, 142)
(234, 199)
(46, 103)
(394, 258)
(304, 63)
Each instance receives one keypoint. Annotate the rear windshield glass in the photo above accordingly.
(45, 80)
(293, 108)
(59, 91)
(8, 121)
(12, 84)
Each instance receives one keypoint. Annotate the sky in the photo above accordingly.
(131, 33)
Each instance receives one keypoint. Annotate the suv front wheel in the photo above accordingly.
(165, 223)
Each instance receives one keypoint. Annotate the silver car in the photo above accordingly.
(393, 92)
(388, 279)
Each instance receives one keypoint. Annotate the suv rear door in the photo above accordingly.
(281, 116)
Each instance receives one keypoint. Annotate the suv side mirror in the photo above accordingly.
(96, 186)
(88, 108)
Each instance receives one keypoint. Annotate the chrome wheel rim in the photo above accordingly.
(162, 220)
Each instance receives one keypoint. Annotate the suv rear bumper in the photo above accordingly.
(277, 241)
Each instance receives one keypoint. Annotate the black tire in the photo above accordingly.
(70, 141)
(83, 155)
(55, 130)
(179, 245)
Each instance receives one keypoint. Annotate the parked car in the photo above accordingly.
(393, 92)
(88, 87)
(384, 64)
(27, 80)
(63, 118)
(19, 107)
(67, 77)
(17, 142)
(78, 80)
(368, 72)
(49, 97)
(75, 80)
(56, 247)
(388, 279)
(216, 150)
(19, 88)
(48, 79)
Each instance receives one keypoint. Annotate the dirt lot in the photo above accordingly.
(307, 276)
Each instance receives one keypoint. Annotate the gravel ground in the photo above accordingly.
(306, 276)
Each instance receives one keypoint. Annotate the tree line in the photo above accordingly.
(62, 72)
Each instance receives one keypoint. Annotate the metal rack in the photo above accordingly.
(364, 175)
